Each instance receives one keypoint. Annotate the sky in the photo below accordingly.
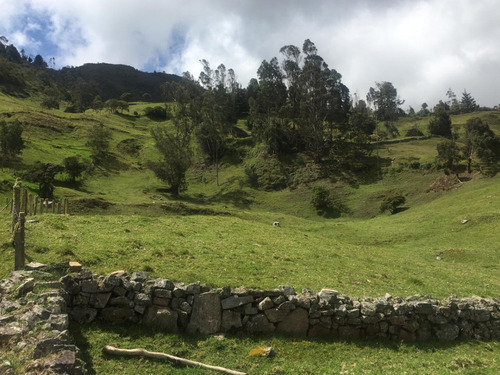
(423, 47)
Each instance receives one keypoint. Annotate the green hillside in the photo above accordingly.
(209, 225)
(123, 217)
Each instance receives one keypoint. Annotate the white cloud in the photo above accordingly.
(422, 46)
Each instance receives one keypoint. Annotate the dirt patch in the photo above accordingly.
(89, 204)
(444, 183)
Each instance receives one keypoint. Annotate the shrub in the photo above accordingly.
(129, 146)
(266, 172)
(414, 132)
(320, 198)
(157, 113)
(74, 167)
(391, 203)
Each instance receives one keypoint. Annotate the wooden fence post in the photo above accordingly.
(30, 205)
(53, 206)
(59, 206)
(16, 203)
(66, 206)
(24, 200)
(35, 205)
(19, 243)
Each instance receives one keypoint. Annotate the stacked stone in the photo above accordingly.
(196, 308)
(35, 325)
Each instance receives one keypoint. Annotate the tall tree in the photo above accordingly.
(175, 146)
(98, 139)
(271, 96)
(440, 122)
(11, 139)
(468, 103)
(448, 155)
(324, 102)
(214, 126)
(384, 98)
(480, 142)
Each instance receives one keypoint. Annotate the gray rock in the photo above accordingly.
(140, 276)
(83, 315)
(368, 309)
(481, 314)
(447, 332)
(295, 323)
(328, 296)
(51, 346)
(279, 300)
(260, 324)
(164, 284)
(142, 299)
(193, 288)
(163, 293)
(140, 309)
(186, 307)
(59, 322)
(8, 306)
(89, 286)
(120, 301)
(69, 284)
(84, 274)
(250, 310)
(66, 363)
(161, 301)
(26, 286)
(266, 304)
(235, 301)
(162, 318)
(287, 290)
(99, 300)
(206, 314)
(230, 320)
(118, 314)
(9, 332)
(424, 308)
(276, 315)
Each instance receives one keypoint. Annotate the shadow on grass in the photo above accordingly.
(111, 164)
(92, 338)
(238, 198)
(400, 209)
(74, 185)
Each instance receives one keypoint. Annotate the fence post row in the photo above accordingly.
(23, 204)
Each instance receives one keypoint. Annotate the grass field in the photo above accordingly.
(222, 235)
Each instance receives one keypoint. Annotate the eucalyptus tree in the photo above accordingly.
(481, 142)
(384, 98)
(324, 103)
(174, 145)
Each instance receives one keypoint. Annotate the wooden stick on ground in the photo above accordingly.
(177, 360)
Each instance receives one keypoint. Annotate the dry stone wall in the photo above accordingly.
(197, 308)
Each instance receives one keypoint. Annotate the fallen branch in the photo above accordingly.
(177, 360)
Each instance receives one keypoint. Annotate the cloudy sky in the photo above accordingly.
(424, 47)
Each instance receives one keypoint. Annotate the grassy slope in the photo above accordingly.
(361, 253)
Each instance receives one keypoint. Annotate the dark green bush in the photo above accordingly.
(157, 113)
(320, 198)
(391, 203)
(414, 132)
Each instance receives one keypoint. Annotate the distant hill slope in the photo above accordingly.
(113, 80)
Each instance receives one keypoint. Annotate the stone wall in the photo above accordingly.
(194, 308)
(34, 326)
